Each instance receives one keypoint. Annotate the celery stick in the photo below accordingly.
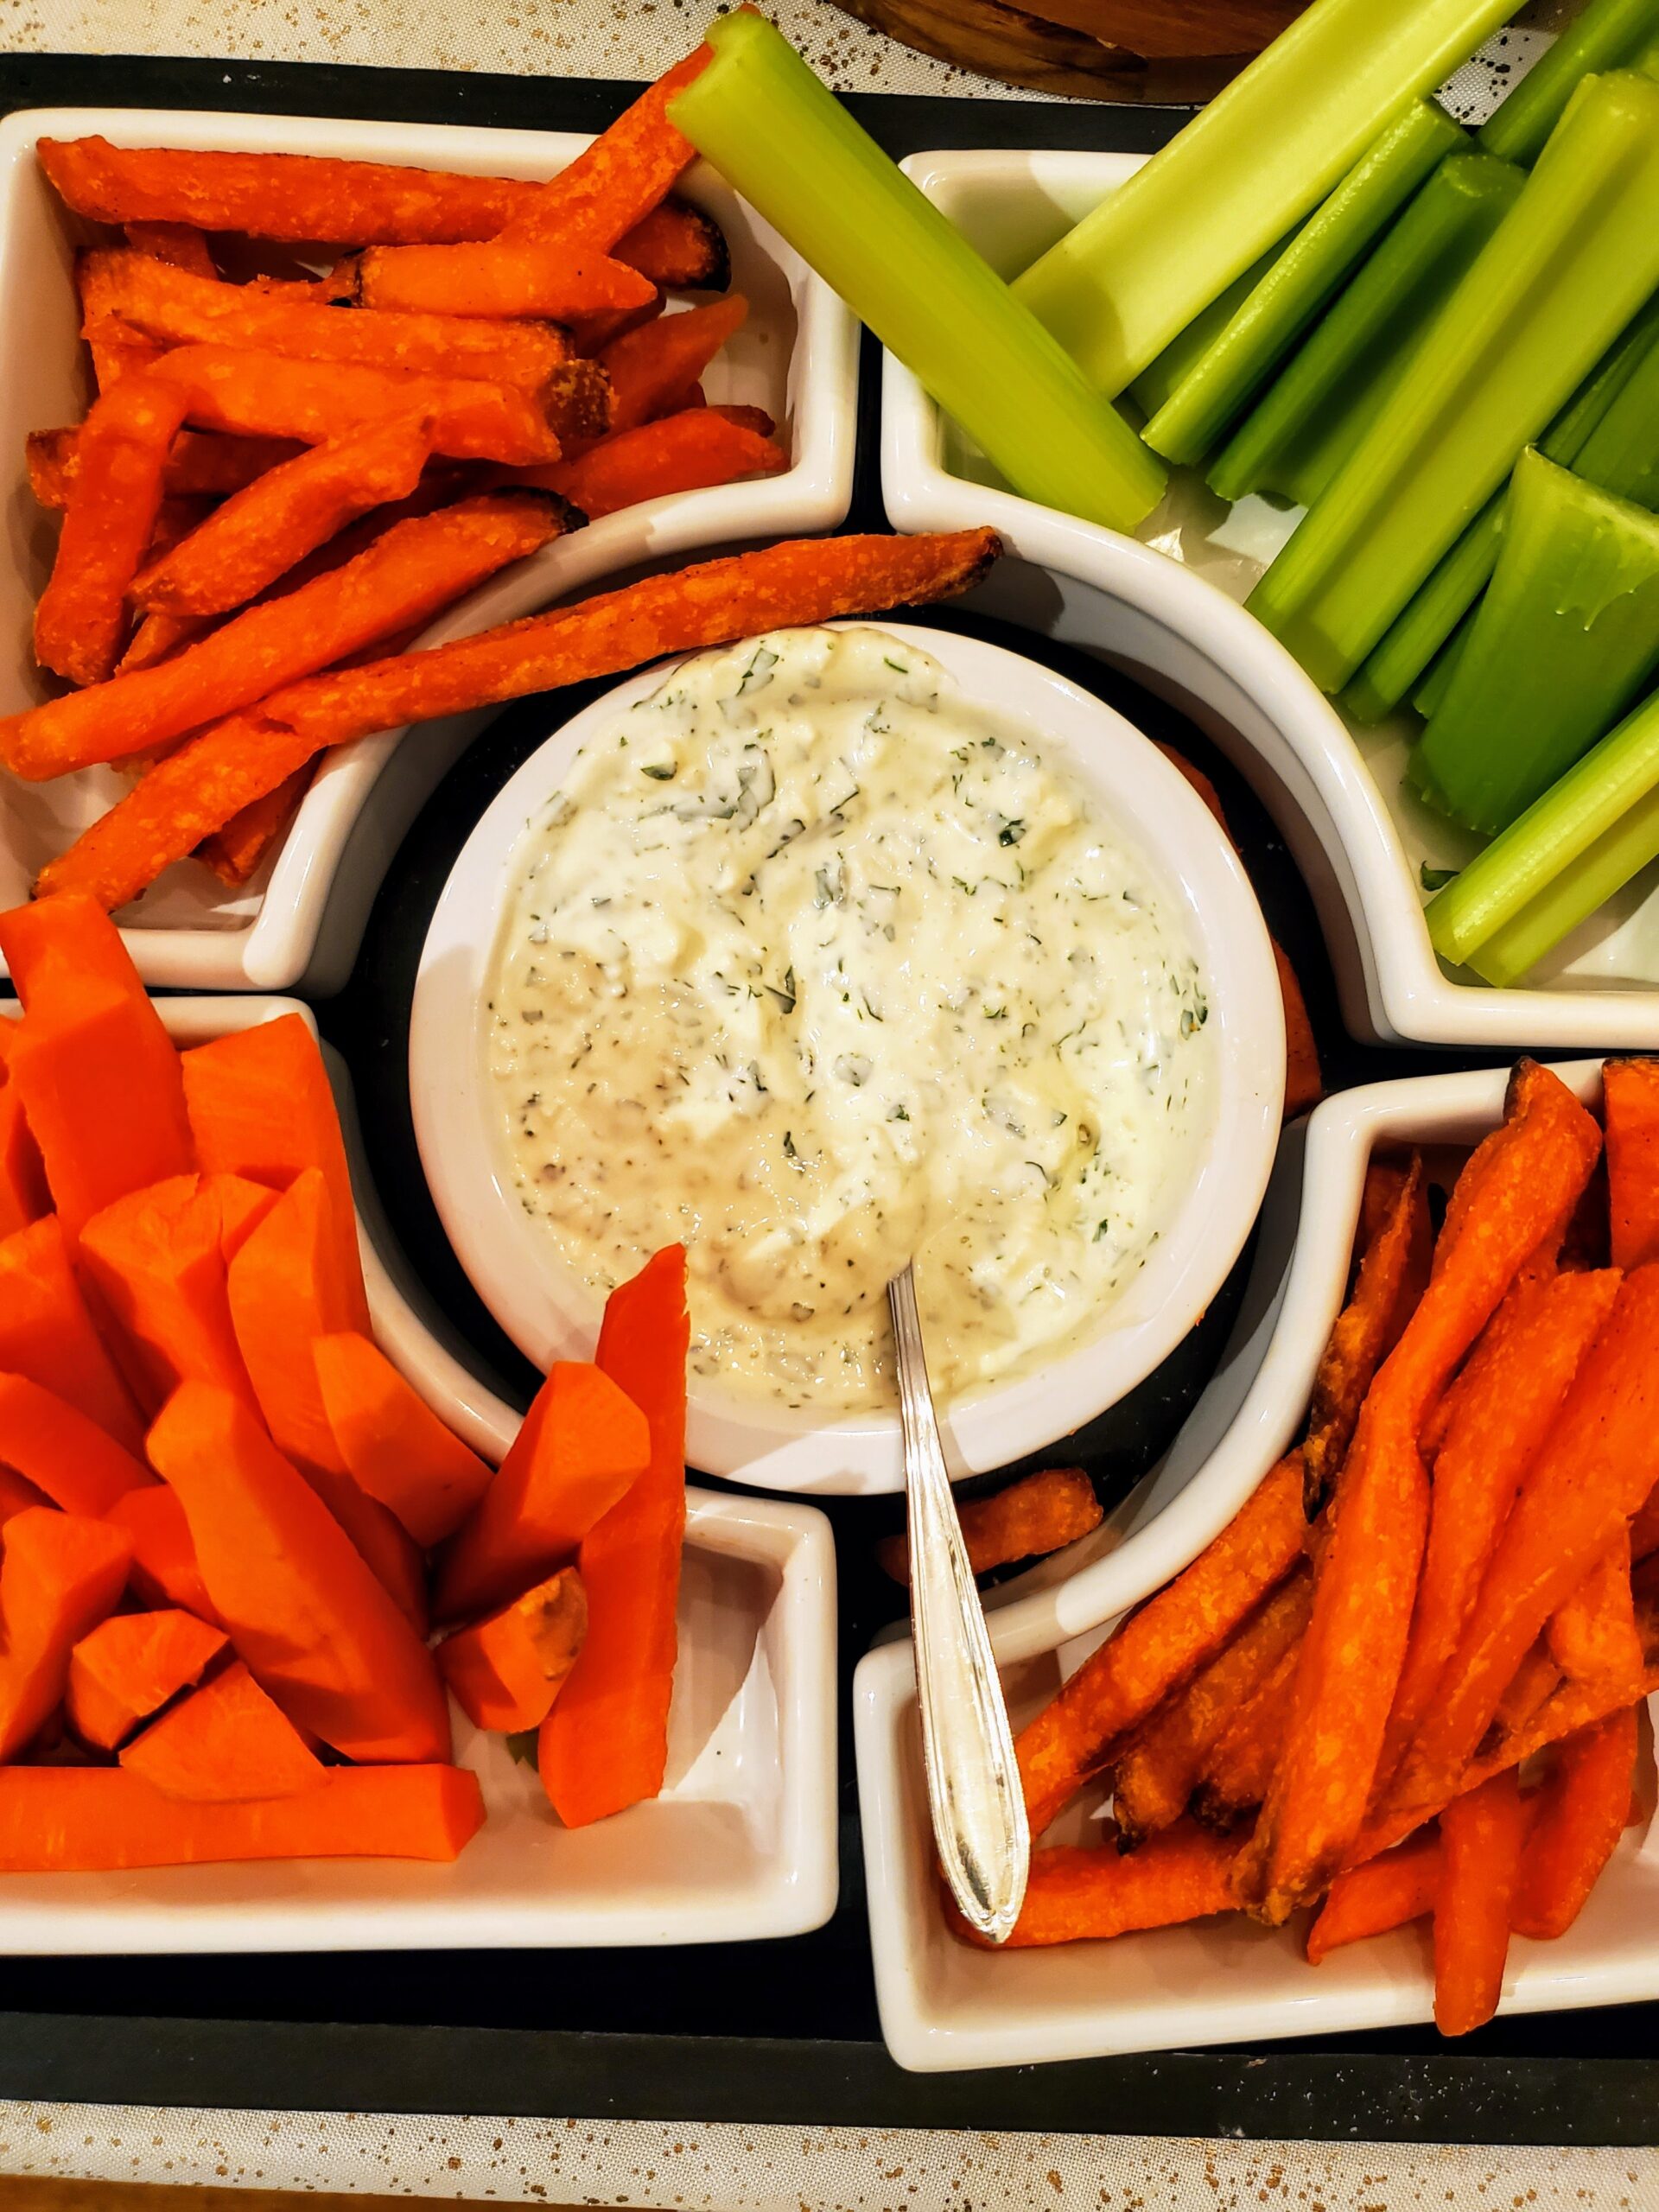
(1435, 684)
(1222, 384)
(1582, 887)
(1560, 830)
(1160, 379)
(1622, 452)
(1116, 288)
(785, 143)
(1459, 581)
(1571, 264)
(1564, 640)
(1315, 411)
(1608, 35)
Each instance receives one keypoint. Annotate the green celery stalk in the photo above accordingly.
(1161, 377)
(1622, 452)
(1568, 267)
(1435, 684)
(1316, 409)
(784, 142)
(1332, 241)
(1564, 640)
(1607, 35)
(1583, 886)
(1566, 826)
(1445, 599)
(1247, 168)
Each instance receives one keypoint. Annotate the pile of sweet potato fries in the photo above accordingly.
(283, 475)
(1343, 1702)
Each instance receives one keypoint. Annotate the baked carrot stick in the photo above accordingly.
(59, 1576)
(127, 1668)
(199, 786)
(180, 245)
(1592, 1633)
(1584, 1805)
(681, 453)
(224, 1744)
(1038, 1514)
(234, 852)
(1233, 1774)
(507, 1671)
(121, 458)
(406, 576)
(1186, 1624)
(1389, 1891)
(1076, 1894)
(259, 533)
(1630, 1096)
(1481, 1837)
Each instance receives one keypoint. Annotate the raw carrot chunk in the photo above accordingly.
(62, 1573)
(1388, 1891)
(286, 1289)
(46, 1334)
(93, 1819)
(65, 940)
(1586, 1805)
(261, 1106)
(584, 1444)
(310, 1619)
(50, 1442)
(384, 1543)
(505, 1671)
(224, 1743)
(130, 1666)
(18, 1496)
(604, 1744)
(165, 1569)
(24, 1193)
(1481, 1837)
(393, 1445)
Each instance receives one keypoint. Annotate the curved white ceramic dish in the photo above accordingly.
(510, 1257)
(741, 1845)
(1358, 836)
(1222, 1981)
(301, 916)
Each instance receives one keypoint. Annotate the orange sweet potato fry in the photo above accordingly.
(259, 534)
(507, 1671)
(117, 352)
(130, 1666)
(180, 245)
(1185, 1625)
(204, 781)
(1038, 1514)
(61, 1575)
(1631, 1094)
(223, 1744)
(63, 1453)
(1233, 1774)
(1644, 1529)
(393, 1445)
(1393, 1274)
(201, 464)
(90, 1819)
(681, 453)
(503, 277)
(81, 623)
(679, 246)
(1389, 1891)
(616, 181)
(652, 369)
(1481, 1838)
(1592, 1633)
(236, 851)
(1535, 1681)
(1585, 1806)
(406, 577)
(1075, 1895)
(48, 1335)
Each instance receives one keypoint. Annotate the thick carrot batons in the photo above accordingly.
(604, 1744)
(1631, 1096)
(46, 1334)
(394, 1446)
(100, 1820)
(310, 1619)
(59, 1576)
(130, 1666)
(224, 1743)
(24, 1193)
(505, 1671)
(287, 1288)
(55, 1447)
(1183, 1874)
(165, 1570)
(1481, 1839)
(17, 1496)
(1586, 1805)
(1038, 1514)
(1389, 1891)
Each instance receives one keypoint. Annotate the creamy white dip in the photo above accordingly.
(814, 966)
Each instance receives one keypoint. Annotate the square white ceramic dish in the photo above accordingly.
(1167, 605)
(944, 2005)
(303, 914)
(741, 1844)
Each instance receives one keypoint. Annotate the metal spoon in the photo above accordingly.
(973, 1783)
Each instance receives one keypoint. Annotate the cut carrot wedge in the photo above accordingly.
(583, 1444)
(46, 1334)
(100, 1820)
(61, 1575)
(1481, 1839)
(58, 945)
(224, 1743)
(261, 1106)
(1389, 1891)
(303, 1610)
(130, 1666)
(604, 1744)
(1585, 1806)
(165, 1570)
(17, 1496)
(1630, 1096)
(1074, 1894)
(384, 1544)
(55, 1447)
(393, 1445)
(24, 1193)
(507, 1671)
(287, 1289)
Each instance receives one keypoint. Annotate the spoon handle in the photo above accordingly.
(973, 1783)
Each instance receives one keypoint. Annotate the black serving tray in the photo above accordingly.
(777, 2032)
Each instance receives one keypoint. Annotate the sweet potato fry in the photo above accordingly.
(200, 463)
(1592, 1634)
(260, 533)
(1481, 1838)
(683, 453)
(1630, 1095)
(406, 577)
(1155, 1776)
(117, 352)
(1644, 1529)
(1389, 1891)
(234, 852)
(1537, 1678)
(652, 369)
(1076, 1894)
(1039, 1513)
(1525, 1176)
(504, 276)
(1393, 1274)
(616, 181)
(1233, 1774)
(678, 246)
(1584, 1808)
(121, 454)
(199, 787)
(1188, 1621)
(179, 244)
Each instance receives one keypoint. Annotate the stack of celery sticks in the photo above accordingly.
(1323, 291)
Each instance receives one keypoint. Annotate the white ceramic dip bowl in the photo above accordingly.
(538, 1300)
